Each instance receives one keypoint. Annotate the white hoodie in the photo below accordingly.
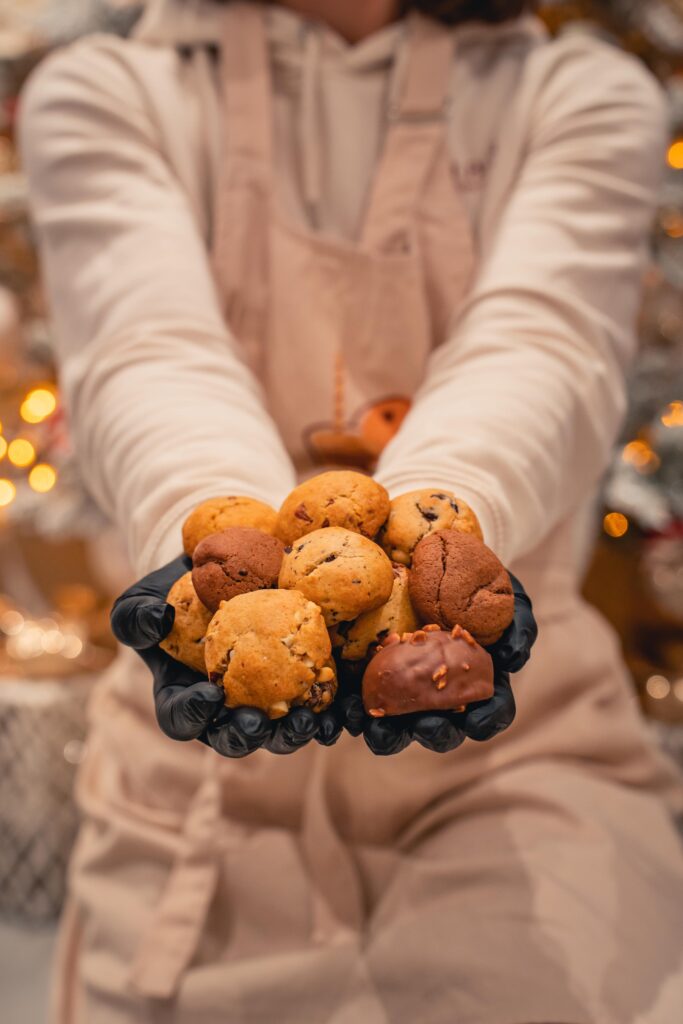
(558, 148)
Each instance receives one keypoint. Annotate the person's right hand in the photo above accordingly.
(188, 706)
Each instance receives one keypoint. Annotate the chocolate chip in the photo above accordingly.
(288, 550)
(330, 558)
(355, 581)
(429, 516)
(301, 512)
(326, 523)
(242, 572)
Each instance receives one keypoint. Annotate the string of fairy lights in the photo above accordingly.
(20, 451)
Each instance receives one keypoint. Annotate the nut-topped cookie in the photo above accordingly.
(217, 514)
(396, 616)
(457, 579)
(344, 573)
(416, 514)
(270, 649)
(427, 670)
(342, 498)
(233, 562)
(185, 642)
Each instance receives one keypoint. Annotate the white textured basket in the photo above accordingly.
(42, 730)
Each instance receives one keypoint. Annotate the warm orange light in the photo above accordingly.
(615, 524)
(641, 456)
(3, 447)
(675, 155)
(672, 223)
(7, 493)
(673, 417)
(21, 452)
(38, 405)
(42, 478)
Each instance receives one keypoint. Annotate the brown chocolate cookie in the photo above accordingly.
(218, 514)
(339, 498)
(185, 642)
(234, 562)
(414, 515)
(428, 670)
(457, 579)
(344, 573)
(270, 649)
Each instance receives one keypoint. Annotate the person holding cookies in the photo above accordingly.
(344, 298)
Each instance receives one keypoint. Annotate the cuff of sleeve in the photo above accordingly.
(465, 486)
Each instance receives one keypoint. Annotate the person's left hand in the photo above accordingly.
(188, 706)
(441, 731)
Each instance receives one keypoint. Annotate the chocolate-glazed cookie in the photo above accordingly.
(235, 561)
(185, 642)
(216, 514)
(428, 670)
(341, 498)
(270, 649)
(414, 515)
(341, 571)
(457, 579)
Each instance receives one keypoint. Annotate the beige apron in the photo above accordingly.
(340, 332)
(333, 886)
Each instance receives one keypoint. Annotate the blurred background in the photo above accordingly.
(60, 565)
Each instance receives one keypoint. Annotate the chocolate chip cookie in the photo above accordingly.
(218, 514)
(185, 642)
(339, 498)
(270, 649)
(343, 572)
(414, 515)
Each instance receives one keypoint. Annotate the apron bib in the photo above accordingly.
(339, 332)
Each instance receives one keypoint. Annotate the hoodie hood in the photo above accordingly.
(198, 22)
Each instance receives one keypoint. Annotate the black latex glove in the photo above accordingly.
(188, 706)
(442, 731)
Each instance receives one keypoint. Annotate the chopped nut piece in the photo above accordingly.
(419, 637)
(460, 708)
(441, 685)
(441, 671)
(393, 638)
(377, 712)
(405, 637)
(432, 628)
(279, 708)
(325, 675)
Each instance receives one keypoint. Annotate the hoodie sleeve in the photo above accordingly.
(163, 412)
(520, 407)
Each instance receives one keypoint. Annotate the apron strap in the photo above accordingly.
(167, 948)
(246, 84)
(416, 134)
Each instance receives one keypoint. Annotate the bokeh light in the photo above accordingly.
(675, 155)
(641, 456)
(42, 478)
(673, 415)
(21, 452)
(658, 687)
(615, 524)
(7, 493)
(3, 447)
(38, 405)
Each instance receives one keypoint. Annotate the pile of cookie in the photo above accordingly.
(277, 602)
